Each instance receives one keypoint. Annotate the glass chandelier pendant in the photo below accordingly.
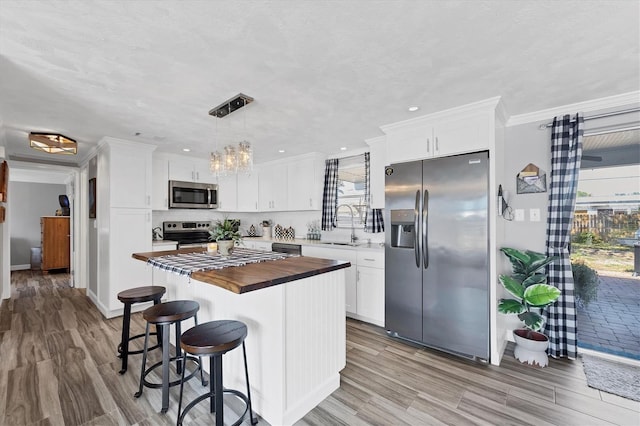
(245, 157)
(215, 164)
(230, 159)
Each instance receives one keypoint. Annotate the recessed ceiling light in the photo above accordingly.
(343, 148)
(186, 149)
(281, 151)
(414, 108)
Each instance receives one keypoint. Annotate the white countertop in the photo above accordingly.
(361, 245)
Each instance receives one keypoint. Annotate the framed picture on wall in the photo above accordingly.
(92, 198)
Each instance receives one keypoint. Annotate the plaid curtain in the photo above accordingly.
(566, 153)
(373, 217)
(330, 195)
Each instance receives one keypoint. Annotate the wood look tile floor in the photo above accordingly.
(58, 366)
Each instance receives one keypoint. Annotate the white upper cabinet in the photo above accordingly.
(306, 179)
(459, 130)
(189, 169)
(377, 160)
(227, 193)
(160, 187)
(127, 168)
(248, 191)
(273, 187)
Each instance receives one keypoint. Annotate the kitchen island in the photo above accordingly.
(294, 312)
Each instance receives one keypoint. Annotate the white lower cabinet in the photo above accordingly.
(256, 245)
(370, 287)
(364, 292)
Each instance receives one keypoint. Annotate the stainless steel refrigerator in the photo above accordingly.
(437, 253)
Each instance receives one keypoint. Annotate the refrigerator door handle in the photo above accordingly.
(416, 222)
(425, 233)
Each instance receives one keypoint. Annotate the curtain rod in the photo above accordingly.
(606, 114)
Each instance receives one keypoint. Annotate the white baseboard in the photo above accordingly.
(21, 267)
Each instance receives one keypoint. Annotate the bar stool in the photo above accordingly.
(214, 339)
(129, 297)
(163, 315)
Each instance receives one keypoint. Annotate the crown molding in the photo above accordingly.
(485, 104)
(586, 106)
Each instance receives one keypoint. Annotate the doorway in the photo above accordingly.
(34, 198)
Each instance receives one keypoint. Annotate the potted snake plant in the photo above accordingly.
(225, 233)
(528, 284)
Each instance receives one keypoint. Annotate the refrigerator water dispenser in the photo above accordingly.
(403, 230)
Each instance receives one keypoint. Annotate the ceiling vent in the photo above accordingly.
(233, 104)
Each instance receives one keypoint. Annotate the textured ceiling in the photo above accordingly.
(324, 74)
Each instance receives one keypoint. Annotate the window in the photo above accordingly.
(351, 192)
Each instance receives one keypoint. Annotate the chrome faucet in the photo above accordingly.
(353, 227)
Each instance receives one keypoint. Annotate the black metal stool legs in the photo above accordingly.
(124, 342)
(144, 363)
(216, 392)
(252, 419)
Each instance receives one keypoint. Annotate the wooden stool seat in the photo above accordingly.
(169, 312)
(163, 315)
(141, 294)
(214, 339)
(130, 296)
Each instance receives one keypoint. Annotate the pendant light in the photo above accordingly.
(232, 160)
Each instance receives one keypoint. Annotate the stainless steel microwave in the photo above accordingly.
(192, 195)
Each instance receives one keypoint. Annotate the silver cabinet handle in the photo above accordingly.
(428, 144)
(416, 222)
(437, 145)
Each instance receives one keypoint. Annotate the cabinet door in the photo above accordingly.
(262, 245)
(182, 169)
(248, 192)
(462, 134)
(273, 188)
(409, 143)
(304, 188)
(227, 194)
(130, 179)
(202, 173)
(370, 290)
(128, 233)
(160, 187)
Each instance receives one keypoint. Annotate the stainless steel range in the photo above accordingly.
(189, 234)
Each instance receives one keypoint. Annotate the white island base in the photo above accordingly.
(296, 343)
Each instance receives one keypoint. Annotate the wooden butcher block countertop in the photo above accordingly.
(255, 276)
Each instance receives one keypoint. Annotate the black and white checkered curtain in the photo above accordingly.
(373, 217)
(566, 153)
(330, 195)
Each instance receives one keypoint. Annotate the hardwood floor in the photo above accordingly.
(58, 365)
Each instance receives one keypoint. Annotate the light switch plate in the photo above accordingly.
(534, 215)
(519, 215)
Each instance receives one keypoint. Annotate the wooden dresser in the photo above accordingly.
(55, 242)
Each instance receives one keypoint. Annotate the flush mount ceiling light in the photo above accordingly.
(414, 108)
(230, 105)
(53, 143)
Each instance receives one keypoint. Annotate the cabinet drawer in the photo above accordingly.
(372, 259)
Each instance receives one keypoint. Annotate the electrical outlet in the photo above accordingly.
(534, 215)
(519, 215)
